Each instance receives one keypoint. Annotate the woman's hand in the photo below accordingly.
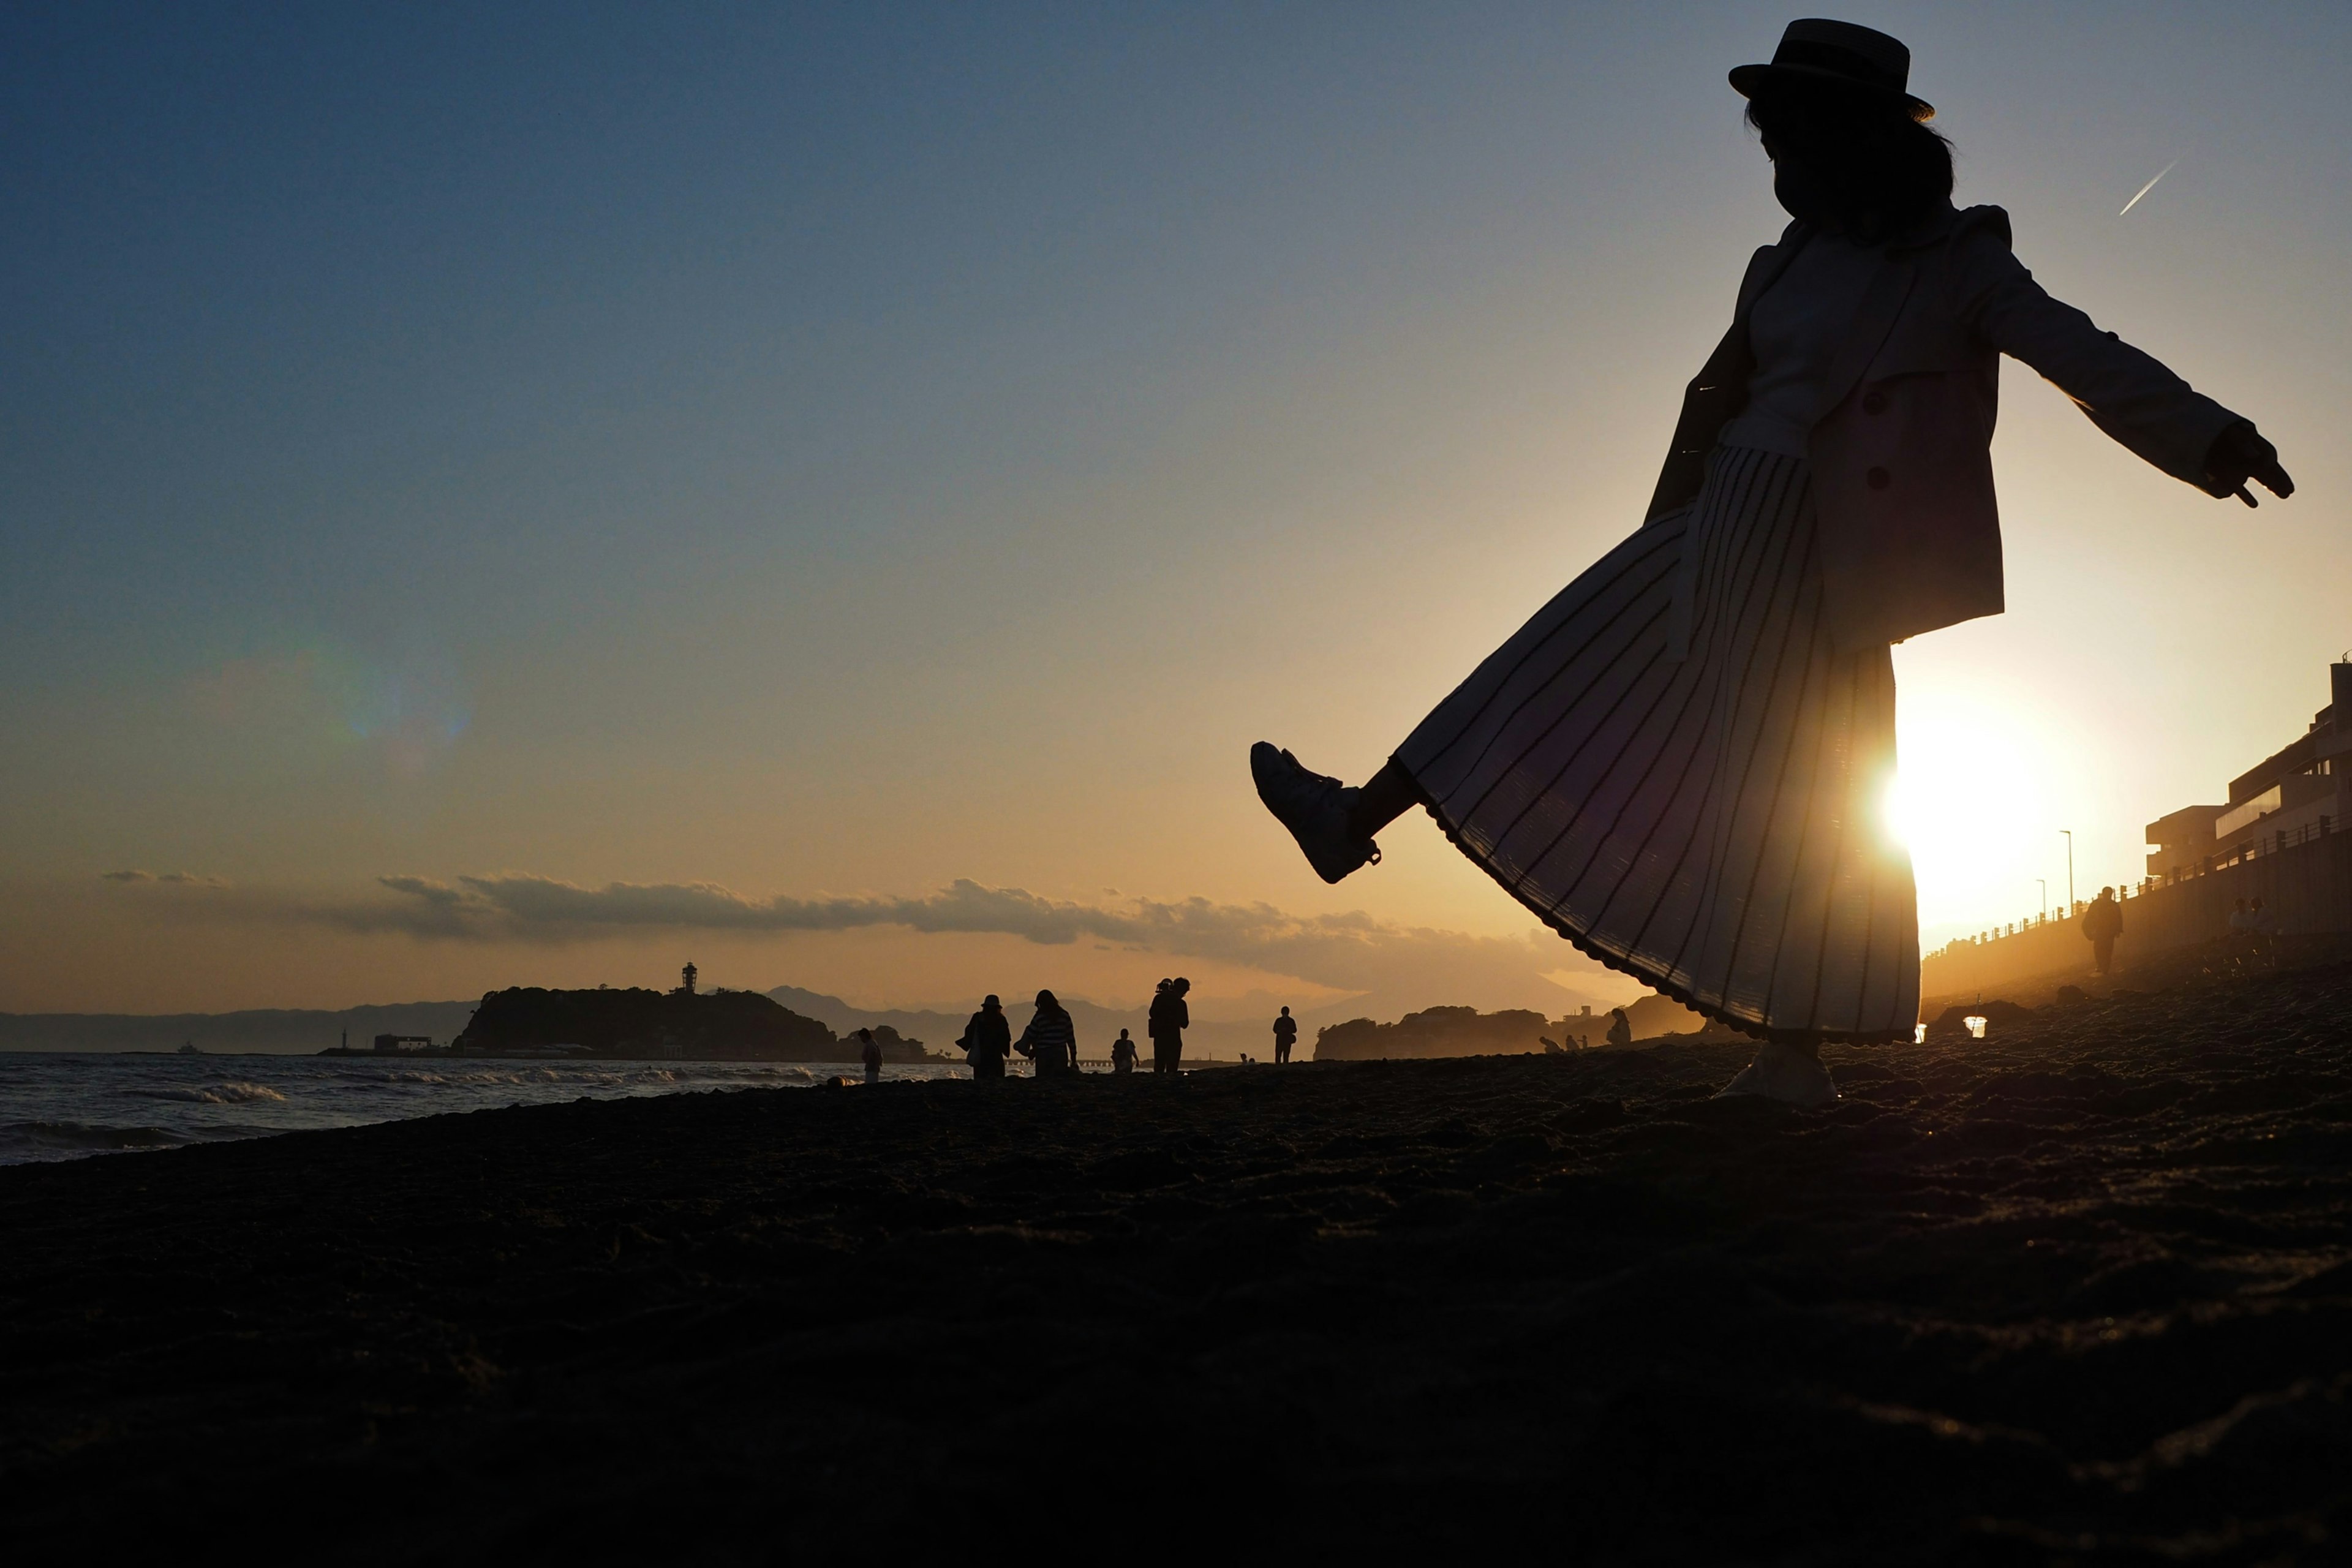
(2240, 454)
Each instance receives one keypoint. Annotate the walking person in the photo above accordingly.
(2103, 922)
(1677, 764)
(1051, 1040)
(1168, 1020)
(987, 1039)
(1286, 1034)
(1122, 1054)
(870, 1051)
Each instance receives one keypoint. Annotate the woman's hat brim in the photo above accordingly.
(1748, 81)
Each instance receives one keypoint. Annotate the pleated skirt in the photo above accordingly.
(1673, 767)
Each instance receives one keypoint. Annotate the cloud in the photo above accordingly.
(126, 876)
(169, 879)
(1351, 951)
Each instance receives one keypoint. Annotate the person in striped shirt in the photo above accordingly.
(1051, 1040)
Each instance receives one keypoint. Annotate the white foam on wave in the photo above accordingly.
(210, 1094)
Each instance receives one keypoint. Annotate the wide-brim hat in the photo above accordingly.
(1818, 52)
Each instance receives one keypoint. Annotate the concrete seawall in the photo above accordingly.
(2306, 887)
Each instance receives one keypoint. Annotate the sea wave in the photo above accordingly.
(206, 1094)
(21, 1140)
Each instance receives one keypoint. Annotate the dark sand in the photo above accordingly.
(2083, 1294)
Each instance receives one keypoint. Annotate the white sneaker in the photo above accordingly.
(1784, 1073)
(1315, 808)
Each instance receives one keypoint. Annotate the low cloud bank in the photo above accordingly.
(1349, 952)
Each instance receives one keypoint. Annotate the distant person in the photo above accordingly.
(1169, 1018)
(1621, 1027)
(1286, 1034)
(2103, 922)
(987, 1039)
(870, 1051)
(1051, 1040)
(1122, 1054)
(1656, 763)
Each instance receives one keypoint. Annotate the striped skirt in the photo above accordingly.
(1672, 768)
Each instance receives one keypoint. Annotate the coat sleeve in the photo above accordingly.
(2129, 395)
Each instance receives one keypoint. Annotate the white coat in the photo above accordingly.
(1909, 532)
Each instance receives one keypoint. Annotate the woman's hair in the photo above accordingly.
(1878, 171)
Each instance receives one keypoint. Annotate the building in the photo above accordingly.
(2288, 798)
(403, 1042)
(2279, 838)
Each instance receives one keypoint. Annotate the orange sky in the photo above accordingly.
(942, 472)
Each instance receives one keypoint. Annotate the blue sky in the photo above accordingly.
(842, 450)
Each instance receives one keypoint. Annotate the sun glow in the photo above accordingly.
(1972, 807)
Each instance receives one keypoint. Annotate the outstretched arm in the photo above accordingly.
(2129, 395)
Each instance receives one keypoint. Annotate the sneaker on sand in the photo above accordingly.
(1315, 808)
(1784, 1073)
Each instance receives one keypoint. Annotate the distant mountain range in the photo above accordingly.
(273, 1029)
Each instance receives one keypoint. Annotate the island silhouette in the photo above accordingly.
(641, 1022)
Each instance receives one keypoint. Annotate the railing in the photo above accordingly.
(2254, 846)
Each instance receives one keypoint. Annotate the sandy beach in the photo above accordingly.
(2078, 1293)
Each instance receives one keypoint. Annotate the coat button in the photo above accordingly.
(1878, 478)
(1874, 403)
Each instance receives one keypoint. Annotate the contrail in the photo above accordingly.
(2150, 185)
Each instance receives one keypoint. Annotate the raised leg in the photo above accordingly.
(1385, 796)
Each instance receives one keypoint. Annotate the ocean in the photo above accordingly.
(65, 1105)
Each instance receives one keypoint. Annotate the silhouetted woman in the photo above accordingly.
(986, 1039)
(1680, 762)
(1051, 1040)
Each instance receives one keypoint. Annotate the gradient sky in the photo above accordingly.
(721, 478)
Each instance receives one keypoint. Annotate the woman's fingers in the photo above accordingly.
(2275, 477)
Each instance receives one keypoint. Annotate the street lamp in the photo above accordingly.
(2070, 871)
(2045, 896)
